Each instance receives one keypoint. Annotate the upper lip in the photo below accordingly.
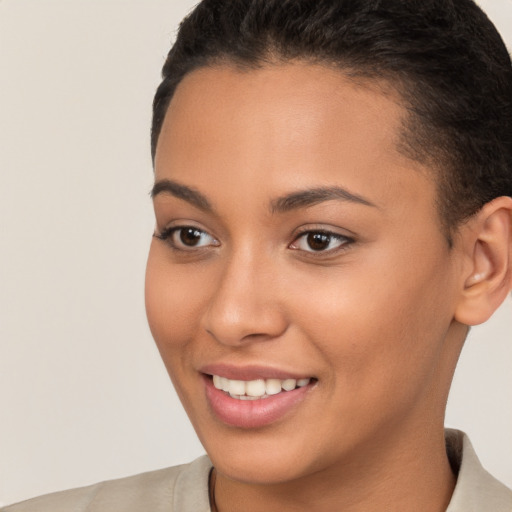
(250, 372)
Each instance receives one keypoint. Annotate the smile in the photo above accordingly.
(254, 402)
(257, 389)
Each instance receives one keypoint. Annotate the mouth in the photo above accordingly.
(254, 403)
(257, 389)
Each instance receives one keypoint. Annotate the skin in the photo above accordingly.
(373, 320)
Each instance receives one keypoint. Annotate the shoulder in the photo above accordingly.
(180, 488)
(476, 490)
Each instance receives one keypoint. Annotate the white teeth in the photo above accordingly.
(224, 384)
(254, 389)
(273, 386)
(236, 387)
(289, 384)
(217, 381)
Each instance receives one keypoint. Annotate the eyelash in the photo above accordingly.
(344, 241)
(325, 236)
(167, 235)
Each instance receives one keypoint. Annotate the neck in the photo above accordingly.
(409, 476)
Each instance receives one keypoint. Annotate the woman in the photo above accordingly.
(333, 203)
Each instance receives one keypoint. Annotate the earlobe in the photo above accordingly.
(487, 240)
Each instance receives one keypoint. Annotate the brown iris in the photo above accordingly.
(318, 241)
(190, 236)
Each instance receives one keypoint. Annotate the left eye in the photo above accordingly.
(191, 237)
(319, 241)
(187, 238)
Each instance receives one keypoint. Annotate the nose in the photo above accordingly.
(244, 306)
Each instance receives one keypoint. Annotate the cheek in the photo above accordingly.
(174, 296)
(373, 322)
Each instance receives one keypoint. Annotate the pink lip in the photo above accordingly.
(251, 414)
(251, 372)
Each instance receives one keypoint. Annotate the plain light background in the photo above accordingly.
(83, 394)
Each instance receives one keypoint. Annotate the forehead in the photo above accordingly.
(294, 99)
(287, 125)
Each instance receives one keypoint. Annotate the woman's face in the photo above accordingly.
(297, 248)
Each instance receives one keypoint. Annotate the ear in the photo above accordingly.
(487, 277)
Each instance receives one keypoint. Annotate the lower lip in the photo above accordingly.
(252, 413)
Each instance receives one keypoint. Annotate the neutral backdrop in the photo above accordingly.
(83, 394)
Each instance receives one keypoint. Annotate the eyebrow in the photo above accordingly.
(188, 194)
(289, 202)
(311, 197)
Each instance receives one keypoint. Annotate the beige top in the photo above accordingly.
(185, 489)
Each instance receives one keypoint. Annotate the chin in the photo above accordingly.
(263, 456)
(264, 469)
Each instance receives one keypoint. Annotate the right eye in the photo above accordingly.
(187, 238)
